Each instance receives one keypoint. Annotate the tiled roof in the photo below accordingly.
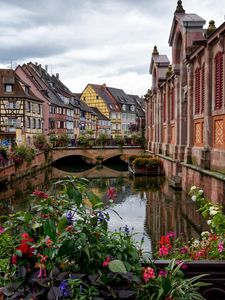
(8, 76)
(120, 96)
(99, 114)
(101, 90)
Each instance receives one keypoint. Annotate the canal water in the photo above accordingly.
(147, 205)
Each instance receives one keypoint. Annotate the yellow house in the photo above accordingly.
(98, 96)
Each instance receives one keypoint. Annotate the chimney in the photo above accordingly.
(104, 85)
(46, 68)
(57, 75)
(36, 63)
(39, 68)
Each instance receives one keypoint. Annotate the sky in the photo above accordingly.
(93, 41)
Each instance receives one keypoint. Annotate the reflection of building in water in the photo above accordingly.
(170, 210)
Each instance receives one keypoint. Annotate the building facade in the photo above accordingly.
(185, 107)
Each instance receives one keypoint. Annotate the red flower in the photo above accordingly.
(40, 194)
(48, 242)
(14, 259)
(106, 262)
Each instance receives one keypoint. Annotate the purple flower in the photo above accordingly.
(220, 247)
(69, 217)
(162, 273)
(126, 229)
(64, 288)
(101, 217)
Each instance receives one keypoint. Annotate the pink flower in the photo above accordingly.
(163, 251)
(2, 230)
(171, 234)
(149, 273)
(220, 247)
(182, 264)
(106, 262)
(111, 193)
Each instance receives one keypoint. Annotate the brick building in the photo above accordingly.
(185, 108)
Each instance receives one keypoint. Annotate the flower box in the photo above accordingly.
(156, 170)
(216, 276)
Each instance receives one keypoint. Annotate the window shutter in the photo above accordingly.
(164, 108)
(203, 89)
(172, 104)
(197, 91)
(218, 80)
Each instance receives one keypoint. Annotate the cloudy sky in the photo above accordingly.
(93, 41)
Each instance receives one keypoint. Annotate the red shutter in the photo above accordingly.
(218, 80)
(164, 108)
(203, 89)
(197, 91)
(172, 104)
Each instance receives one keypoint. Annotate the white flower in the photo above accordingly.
(209, 222)
(213, 212)
(196, 243)
(205, 233)
(193, 188)
(193, 198)
(200, 192)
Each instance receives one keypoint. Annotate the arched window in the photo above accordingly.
(197, 91)
(218, 80)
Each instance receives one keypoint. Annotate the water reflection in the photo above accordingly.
(146, 203)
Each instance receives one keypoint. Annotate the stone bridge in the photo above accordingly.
(94, 153)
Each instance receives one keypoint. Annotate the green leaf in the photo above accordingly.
(49, 229)
(36, 225)
(94, 199)
(63, 223)
(117, 266)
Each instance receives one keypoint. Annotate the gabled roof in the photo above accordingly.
(188, 20)
(120, 96)
(8, 76)
(99, 115)
(102, 91)
(161, 60)
(47, 84)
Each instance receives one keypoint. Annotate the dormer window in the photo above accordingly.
(8, 88)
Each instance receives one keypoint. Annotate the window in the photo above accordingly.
(97, 97)
(28, 106)
(12, 122)
(172, 104)
(203, 88)
(28, 122)
(197, 91)
(12, 105)
(218, 80)
(8, 88)
(34, 123)
(164, 108)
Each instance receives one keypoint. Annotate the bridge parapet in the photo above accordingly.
(95, 153)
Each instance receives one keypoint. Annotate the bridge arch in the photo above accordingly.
(94, 153)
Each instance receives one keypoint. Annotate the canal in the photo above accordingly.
(147, 205)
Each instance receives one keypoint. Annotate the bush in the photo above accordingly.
(41, 143)
(23, 153)
(147, 162)
(62, 248)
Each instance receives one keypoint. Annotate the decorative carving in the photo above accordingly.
(218, 132)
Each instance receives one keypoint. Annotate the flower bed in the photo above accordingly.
(62, 249)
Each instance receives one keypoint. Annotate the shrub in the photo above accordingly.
(23, 153)
(62, 248)
(147, 162)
